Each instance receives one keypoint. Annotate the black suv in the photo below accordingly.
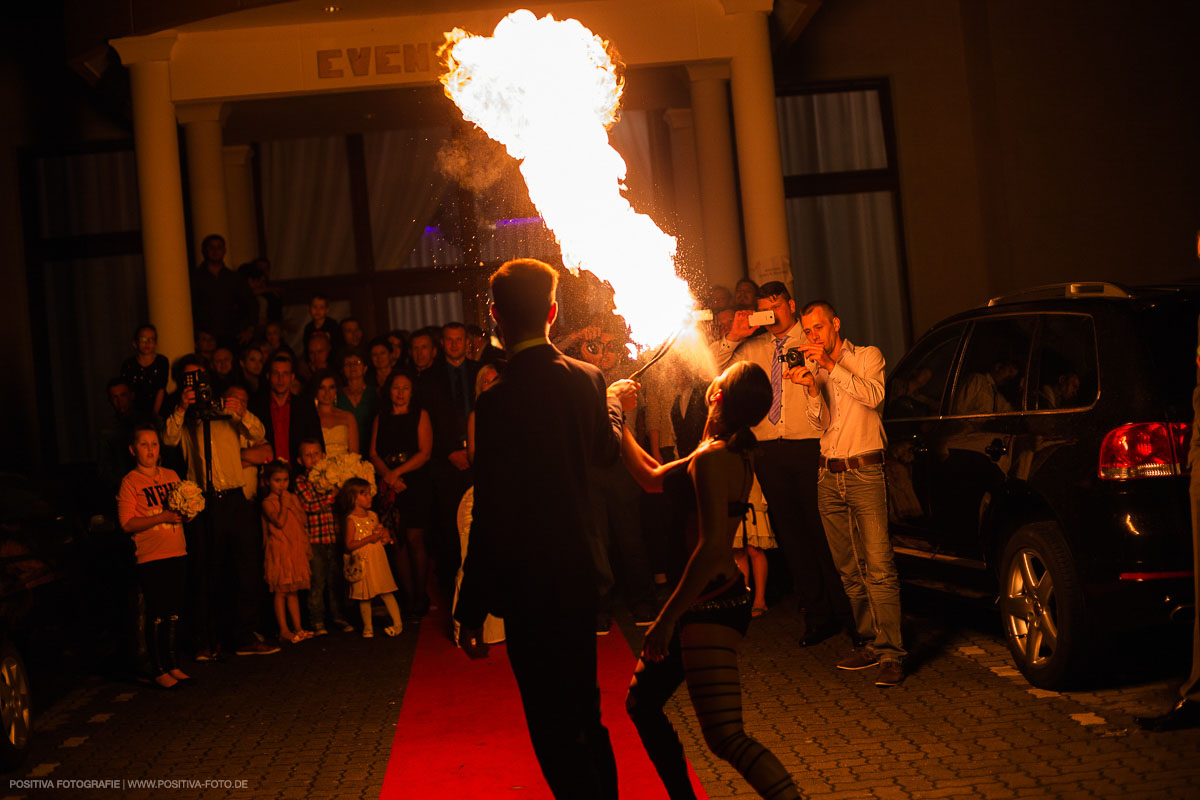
(1037, 449)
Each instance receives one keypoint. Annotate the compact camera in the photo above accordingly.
(793, 357)
(762, 318)
(206, 405)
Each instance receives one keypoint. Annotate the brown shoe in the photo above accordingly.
(860, 658)
(891, 673)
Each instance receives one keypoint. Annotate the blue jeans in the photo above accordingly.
(854, 509)
(326, 582)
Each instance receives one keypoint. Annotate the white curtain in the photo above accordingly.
(844, 251)
(844, 247)
(306, 207)
(831, 132)
(418, 310)
(92, 307)
(631, 138)
(88, 193)
(405, 188)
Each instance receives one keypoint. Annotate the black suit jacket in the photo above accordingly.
(303, 423)
(433, 394)
(537, 430)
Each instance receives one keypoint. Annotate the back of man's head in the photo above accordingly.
(523, 292)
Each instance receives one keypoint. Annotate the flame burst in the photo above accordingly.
(548, 91)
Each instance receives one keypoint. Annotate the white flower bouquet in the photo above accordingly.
(331, 473)
(186, 499)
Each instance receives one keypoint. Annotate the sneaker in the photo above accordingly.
(257, 648)
(319, 630)
(206, 655)
(345, 626)
(891, 673)
(603, 624)
(860, 658)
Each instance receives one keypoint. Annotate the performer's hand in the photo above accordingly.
(459, 459)
(658, 640)
(626, 391)
(471, 640)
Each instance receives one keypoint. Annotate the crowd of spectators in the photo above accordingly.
(403, 400)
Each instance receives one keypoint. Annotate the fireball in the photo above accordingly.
(548, 90)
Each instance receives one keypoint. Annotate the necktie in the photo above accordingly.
(776, 412)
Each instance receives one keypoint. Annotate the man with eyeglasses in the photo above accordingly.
(616, 497)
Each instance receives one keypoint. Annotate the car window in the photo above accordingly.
(1066, 363)
(917, 387)
(994, 367)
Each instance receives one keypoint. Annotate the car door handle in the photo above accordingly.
(996, 450)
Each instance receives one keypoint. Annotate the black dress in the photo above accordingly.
(412, 508)
(146, 381)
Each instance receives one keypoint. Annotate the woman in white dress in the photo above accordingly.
(339, 427)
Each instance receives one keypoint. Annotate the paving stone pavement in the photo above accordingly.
(317, 721)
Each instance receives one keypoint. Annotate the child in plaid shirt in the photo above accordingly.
(322, 530)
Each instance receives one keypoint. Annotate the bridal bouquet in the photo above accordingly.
(331, 472)
(185, 499)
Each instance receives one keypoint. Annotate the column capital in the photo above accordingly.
(708, 71)
(202, 112)
(738, 6)
(237, 155)
(679, 118)
(136, 49)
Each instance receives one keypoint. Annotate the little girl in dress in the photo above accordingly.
(366, 537)
(285, 563)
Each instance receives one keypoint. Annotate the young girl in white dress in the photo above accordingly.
(366, 538)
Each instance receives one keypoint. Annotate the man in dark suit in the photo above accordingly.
(446, 389)
(536, 432)
(288, 420)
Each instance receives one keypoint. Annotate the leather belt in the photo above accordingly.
(853, 462)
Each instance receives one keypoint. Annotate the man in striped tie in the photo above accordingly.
(786, 464)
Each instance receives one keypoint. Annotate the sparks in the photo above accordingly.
(549, 91)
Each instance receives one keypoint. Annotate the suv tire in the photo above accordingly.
(15, 708)
(1041, 606)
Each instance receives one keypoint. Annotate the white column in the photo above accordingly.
(686, 187)
(239, 203)
(206, 171)
(759, 163)
(723, 258)
(160, 191)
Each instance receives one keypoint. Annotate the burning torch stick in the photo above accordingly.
(703, 315)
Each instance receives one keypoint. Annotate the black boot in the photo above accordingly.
(154, 636)
(170, 657)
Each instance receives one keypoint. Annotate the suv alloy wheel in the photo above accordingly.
(1041, 605)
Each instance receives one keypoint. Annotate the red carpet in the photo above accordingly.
(461, 731)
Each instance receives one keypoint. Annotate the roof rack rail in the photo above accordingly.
(1067, 290)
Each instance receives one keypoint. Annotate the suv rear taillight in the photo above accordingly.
(1144, 450)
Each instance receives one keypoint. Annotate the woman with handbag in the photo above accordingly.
(401, 443)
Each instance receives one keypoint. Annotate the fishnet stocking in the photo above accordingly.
(705, 655)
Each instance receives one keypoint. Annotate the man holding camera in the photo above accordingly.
(222, 541)
(786, 462)
(844, 387)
